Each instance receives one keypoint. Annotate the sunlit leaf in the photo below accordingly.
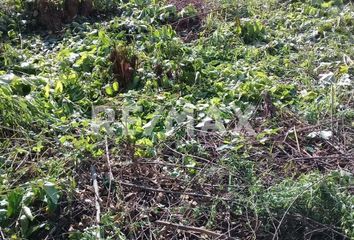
(58, 87)
(109, 90)
(47, 90)
(115, 86)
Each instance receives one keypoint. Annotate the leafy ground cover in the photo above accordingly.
(169, 120)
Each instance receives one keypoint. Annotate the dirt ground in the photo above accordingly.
(188, 28)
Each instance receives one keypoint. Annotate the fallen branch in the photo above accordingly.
(171, 192)
(193, 156)
(188, 155)
(191, 229)
(325, 157)
(168, 164)
(110, 174)
(97, 197)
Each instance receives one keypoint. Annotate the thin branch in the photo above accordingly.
(191, 229)
(168, 164)
(297, 140)
(171, 192)
(193, 156)
(110, 174)
(97, 197)
(325, 157)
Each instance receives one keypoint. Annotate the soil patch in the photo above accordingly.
(189, 27)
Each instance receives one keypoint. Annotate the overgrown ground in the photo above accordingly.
(274, 81)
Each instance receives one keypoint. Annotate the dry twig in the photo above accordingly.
(110, 174)
(171, 192)
(191, 229)
(97, 197)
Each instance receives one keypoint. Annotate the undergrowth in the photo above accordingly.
(239, 121)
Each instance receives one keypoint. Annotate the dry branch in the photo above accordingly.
(171, 192)
(191, 229)
(97, 197)
(325, 157)
(110, 174)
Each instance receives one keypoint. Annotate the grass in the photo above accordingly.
(239, 122)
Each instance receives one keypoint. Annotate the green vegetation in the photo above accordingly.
(274, 79)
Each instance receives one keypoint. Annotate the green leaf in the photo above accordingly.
(144, 142)
(51, 192)
(58, 87)
(109, 90)
(25, 225)
(12, 34)
(38, 148)
(14, 200)
(103, 37)
(47, 90)
(3, 214)
(115, 86)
